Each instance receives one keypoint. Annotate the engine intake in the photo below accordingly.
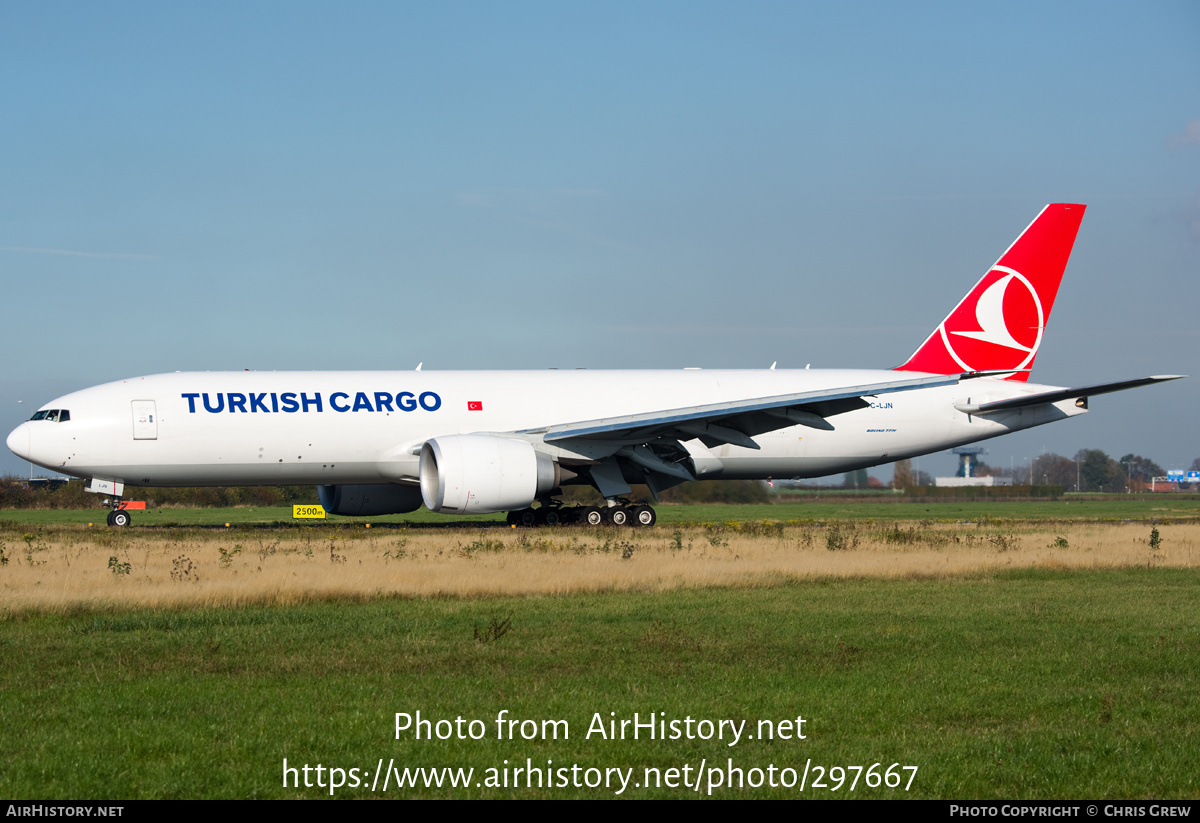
(481, 473)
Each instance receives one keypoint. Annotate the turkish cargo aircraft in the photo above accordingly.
(475, 442)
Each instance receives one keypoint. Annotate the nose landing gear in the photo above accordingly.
(119, 516)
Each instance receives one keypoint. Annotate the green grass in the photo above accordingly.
(1024, 685)
(887, 508)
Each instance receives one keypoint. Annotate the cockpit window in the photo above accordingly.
(52, 415)
(64, 416)
(39, 415)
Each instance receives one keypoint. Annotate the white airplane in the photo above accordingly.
(475, 442)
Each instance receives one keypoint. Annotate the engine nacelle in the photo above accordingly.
(481, 473)
(369, 499)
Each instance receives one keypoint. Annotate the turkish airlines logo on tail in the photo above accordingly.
(998, 326)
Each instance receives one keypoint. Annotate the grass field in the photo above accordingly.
(1046, 656)
(66, 568)
(1030, 684)
(827, 507)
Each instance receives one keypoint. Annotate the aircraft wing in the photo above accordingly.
(738, 421)
(1080, 392)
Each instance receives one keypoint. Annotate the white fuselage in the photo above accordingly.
(359, 427)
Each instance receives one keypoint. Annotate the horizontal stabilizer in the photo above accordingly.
(1064, 394)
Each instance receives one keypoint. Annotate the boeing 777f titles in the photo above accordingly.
(474, 441)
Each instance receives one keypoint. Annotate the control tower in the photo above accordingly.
(967, 459)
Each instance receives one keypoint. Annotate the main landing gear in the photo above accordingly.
(622, 514)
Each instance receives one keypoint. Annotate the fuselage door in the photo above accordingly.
(145, 420)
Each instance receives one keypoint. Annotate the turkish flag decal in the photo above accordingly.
(474, 405)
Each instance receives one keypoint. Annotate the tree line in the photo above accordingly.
(1090, 470)
(17, 493)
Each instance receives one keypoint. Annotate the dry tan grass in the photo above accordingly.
(65, 568)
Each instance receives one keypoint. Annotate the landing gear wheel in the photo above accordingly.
(527, 518)
(618, 516)
(552, 517)
(644, 516)
(119, 518)
(591, 516)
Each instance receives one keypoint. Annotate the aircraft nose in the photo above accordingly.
(18, 441)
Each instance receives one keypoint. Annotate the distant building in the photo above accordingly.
(972, 481)
(968, 457)
(49, 483)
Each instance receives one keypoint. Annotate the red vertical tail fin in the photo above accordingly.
(998, 326)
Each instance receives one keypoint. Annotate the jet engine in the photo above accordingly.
(369, 499)
(481, 473)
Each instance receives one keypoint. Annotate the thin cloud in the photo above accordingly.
(525, 198)
(539, 208)
(748, 330)
(71, 253)
(1190, 136)
(579, 234)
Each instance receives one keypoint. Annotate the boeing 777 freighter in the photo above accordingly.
(499, 441)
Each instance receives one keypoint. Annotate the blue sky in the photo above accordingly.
(609, 185)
